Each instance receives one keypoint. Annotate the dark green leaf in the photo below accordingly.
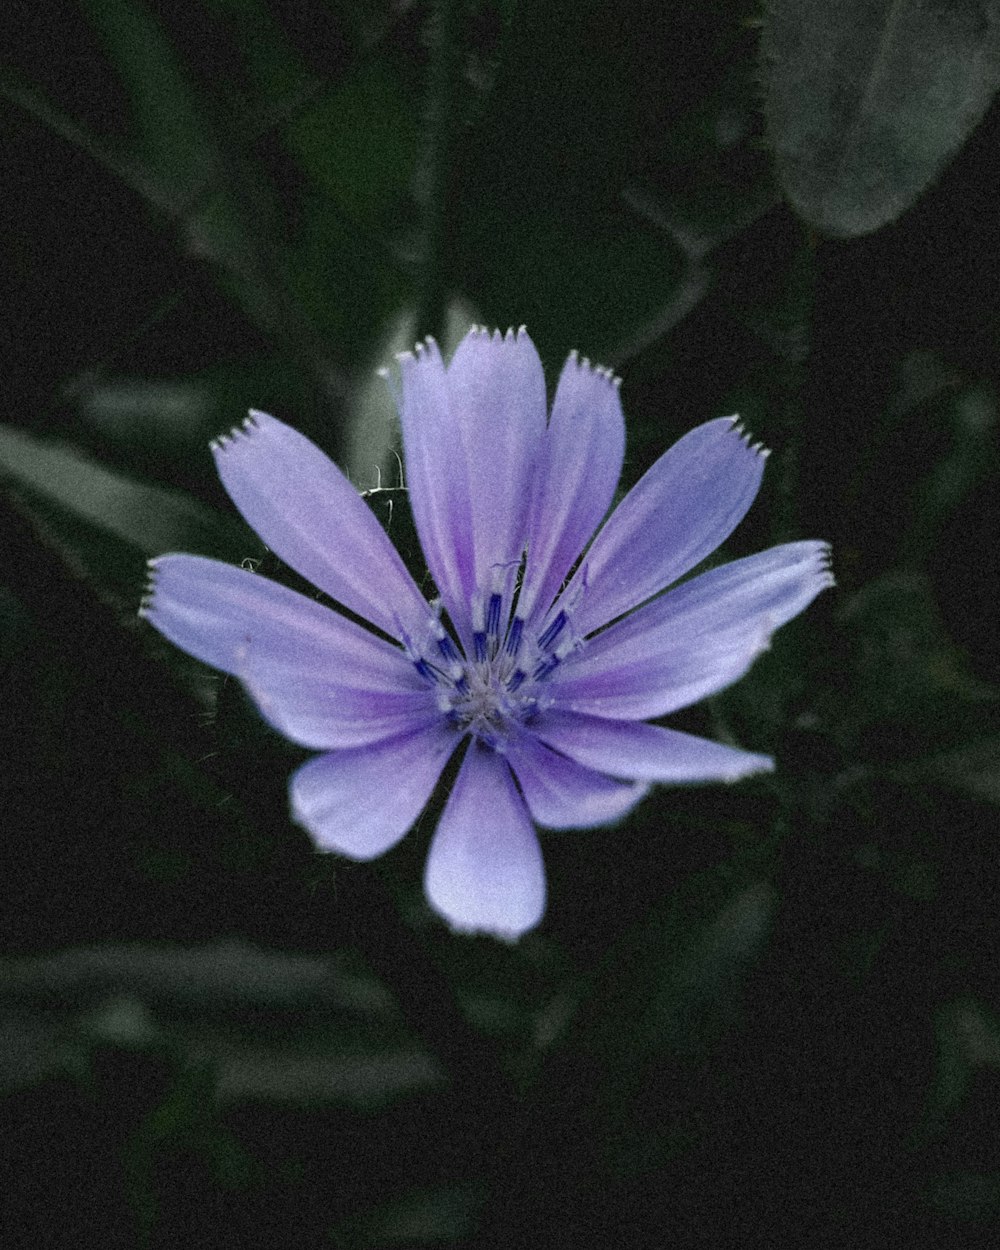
(867, 100)
(149, 519)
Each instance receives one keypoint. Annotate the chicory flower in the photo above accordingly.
(549, 648)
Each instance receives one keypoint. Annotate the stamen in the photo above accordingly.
(516, 679)
(479, 627)
(448, 650)
(514, 636)
(544, 667)
(426, 671)
(493, 619)
(552, 631)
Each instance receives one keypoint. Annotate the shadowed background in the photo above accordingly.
(754, 1015)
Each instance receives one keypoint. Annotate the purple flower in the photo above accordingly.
(544, 684)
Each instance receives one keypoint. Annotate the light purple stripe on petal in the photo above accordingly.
(562, 794)
(308, 513)
(362, 802)
(496, 388)
(484, 872)
(688, 503)
(695, 639)
(581, 461)
(438, 480)
(234, 620)
(646, 752)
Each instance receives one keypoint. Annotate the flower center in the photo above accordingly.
(502, 685)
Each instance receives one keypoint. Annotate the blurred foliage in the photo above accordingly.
(754, 1016)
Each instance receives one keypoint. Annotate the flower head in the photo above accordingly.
(549, 647)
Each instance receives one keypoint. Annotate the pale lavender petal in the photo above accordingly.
(645, 752)
(688, 503)
(496, 388)
(438, 480)
(581, 461)
(362, 802)
(562, 794)
(695, 639)
(309, 514)
(484, 872)
(234, 620)
(323, 715)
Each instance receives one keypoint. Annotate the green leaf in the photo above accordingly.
(907, 669)
(176, 151)
(148, 519)
(972, 769)
(868, 100)
(360, 144)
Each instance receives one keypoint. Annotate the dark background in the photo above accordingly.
(755, 1015)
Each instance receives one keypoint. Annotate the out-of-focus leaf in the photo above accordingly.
(361, 1055)
(152, 420)
(867, 100)
(420, 1217)
(973, 769)
(673, 985)
(360, 144)
(907, 668)
(968, 1038)
(174, 151)
(373, 420)
(973, 417)
(144, 413)
(967, 1196)
(599, 284)
(216, 191)
(148, 519)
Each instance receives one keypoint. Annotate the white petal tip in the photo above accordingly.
(747, 437)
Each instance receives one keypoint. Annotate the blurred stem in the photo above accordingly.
(439, 178)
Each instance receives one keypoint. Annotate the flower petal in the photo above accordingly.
(645, 752)
(306, 511)
(471, 437)
(695, 639)
(230, 618)
(562, 794)
(317, 677)
(438, 479)
(497, 391)
(580, 463)
(362, 802)
(324, 715)
(484, 871)
(689, 502)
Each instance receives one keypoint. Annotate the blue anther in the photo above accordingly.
(448, 649)
(514, 636)
(493, 617)
(516, 679)
(424, 669)
(545, 667)
(479, 646)
(552, 631)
